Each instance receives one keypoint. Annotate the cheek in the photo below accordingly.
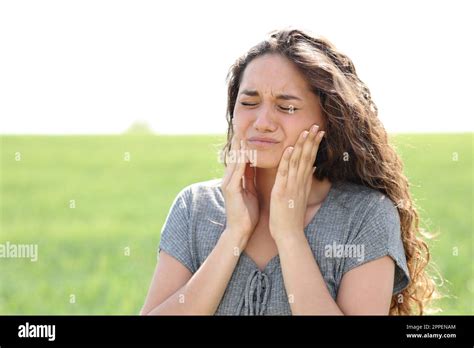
(293, 129)
(242, 120)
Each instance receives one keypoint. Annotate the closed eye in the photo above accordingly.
(290, 110)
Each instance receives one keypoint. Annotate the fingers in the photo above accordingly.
(303, 157)
(230, 159)
(318, 138)
(295, 159)
(308, 154)
(237, 176)
(250, 175)
(282, 173)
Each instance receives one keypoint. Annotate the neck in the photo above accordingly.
(265, 179)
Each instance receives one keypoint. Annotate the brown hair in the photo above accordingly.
(354, 131)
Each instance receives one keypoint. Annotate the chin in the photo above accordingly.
(267, 161)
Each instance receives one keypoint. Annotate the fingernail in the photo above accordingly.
(305, 134)
(290, 149)
(314, 169)
(321, 134)
(314, 129)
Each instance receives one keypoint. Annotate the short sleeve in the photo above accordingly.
(380, 235)
(175, 234)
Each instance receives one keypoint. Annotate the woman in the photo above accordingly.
(276, 236)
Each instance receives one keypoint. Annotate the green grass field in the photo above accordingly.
(83, 266)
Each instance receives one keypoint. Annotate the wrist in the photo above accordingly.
(288, 238)
(237, 239)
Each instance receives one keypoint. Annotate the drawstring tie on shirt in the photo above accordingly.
(251, 305)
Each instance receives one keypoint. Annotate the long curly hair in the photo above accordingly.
(354, 132)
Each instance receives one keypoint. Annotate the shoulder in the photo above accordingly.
(199, 189)
(208, 185)
(372, 217)
(364, 202)
(202, 197)
(358, 211)
(373, 226)
(195, 222)
(206, 219)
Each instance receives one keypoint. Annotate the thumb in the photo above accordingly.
(250, 178)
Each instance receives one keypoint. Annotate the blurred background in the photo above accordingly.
(109, 108)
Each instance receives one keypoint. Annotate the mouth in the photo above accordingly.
(262, 142)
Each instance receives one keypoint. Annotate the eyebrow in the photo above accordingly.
(254, 93)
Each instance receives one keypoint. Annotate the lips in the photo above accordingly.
(262, 143)
(263, 140)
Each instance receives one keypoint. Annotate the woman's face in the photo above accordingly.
(274, 105)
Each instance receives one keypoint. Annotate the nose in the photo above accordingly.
(264, 120)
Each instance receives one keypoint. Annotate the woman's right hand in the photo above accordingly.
(241, 204)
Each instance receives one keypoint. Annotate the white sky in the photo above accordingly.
(97, 66)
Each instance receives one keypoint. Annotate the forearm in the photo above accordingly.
(308, 294)
(202, 294)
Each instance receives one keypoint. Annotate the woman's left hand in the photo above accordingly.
(292, 186)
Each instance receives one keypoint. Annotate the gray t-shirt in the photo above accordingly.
(355, 224)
